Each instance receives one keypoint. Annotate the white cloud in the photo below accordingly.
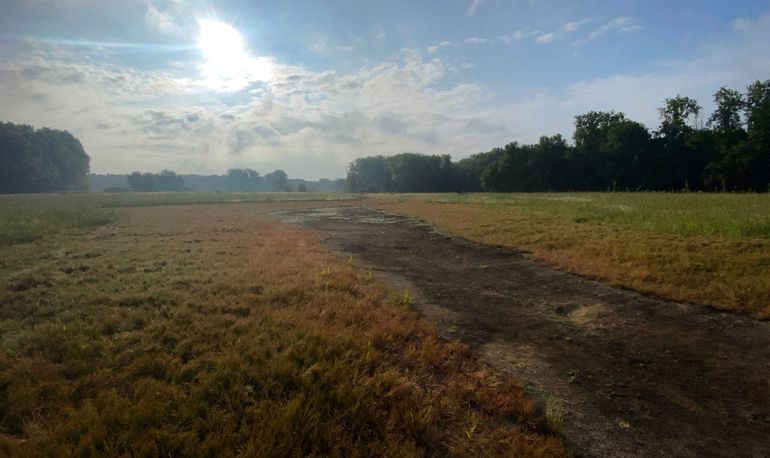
(574, 26)
(472, 7)
(311, 124)
(622, 24)
(159, 21)
(570, 27)
(433, 49)
(321, 47)
(476, 41)
(547, 38)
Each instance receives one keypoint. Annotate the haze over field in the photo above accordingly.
(200, 87)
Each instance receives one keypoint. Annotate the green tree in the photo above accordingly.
(370, 174)
(168, 180)
(277, 181)
(42, 160)
(243, 180)
(678, 115)
(726, 119)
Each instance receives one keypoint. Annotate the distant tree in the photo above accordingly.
(551, 161)
(168, 180)
(277, 181)
(411, 172)
(302, 188)
(244, 180)
(41, 160)
(677, 116)
(628, 157)
(135, 181)
(469, 171)
(591, 128)
(682, 158)
(586, 164)
(754, 152)
(148, 183)
(758, 107)
(370, 174)
(726, 119)
(142, 182)
(610, 152)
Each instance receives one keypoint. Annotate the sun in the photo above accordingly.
(228, 65)
(220, 41)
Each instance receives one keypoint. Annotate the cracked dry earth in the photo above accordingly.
(624, 374)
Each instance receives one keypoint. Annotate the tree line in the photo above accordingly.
(609, 151)
(234, 180)
(41, 160)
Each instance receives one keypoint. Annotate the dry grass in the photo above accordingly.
(674, 246)
(216, 331)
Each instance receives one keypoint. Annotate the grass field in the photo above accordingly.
(25, 217)
(214, 330)
(196, 324)
(712, 249)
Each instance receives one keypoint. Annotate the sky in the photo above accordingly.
(200, 86)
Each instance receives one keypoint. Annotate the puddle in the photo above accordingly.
(359, 215)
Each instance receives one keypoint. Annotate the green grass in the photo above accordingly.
(728, 215)
(25, 218)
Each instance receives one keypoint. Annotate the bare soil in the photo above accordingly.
(619, 373)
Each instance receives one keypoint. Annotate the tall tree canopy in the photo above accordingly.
(610, 152)
(42, 160)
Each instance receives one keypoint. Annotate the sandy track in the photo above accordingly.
(625, 374)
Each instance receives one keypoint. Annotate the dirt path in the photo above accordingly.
(625, 374)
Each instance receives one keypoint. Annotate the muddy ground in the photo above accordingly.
(624, 374)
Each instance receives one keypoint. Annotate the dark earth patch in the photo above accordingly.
(621, 374)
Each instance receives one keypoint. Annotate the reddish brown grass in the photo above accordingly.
(216, 331)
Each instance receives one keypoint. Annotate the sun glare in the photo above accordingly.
(228, 65)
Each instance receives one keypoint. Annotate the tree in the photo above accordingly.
(168, 180)
(628, 157)
(243, 180)
(677, 115)
(682, 159)
(370, 174)
(755, 151)
(758, 107)
(586, 163)
(726, 119)
(135, 182)
(277, 181)
(149, 182)
(610, 152)
(412, 172)
(591, 128)
(41, 160)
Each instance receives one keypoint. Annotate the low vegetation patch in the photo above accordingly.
(710, 249)
(215, 331)
(25, 218)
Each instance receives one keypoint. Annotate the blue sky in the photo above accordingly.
(201, 86)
